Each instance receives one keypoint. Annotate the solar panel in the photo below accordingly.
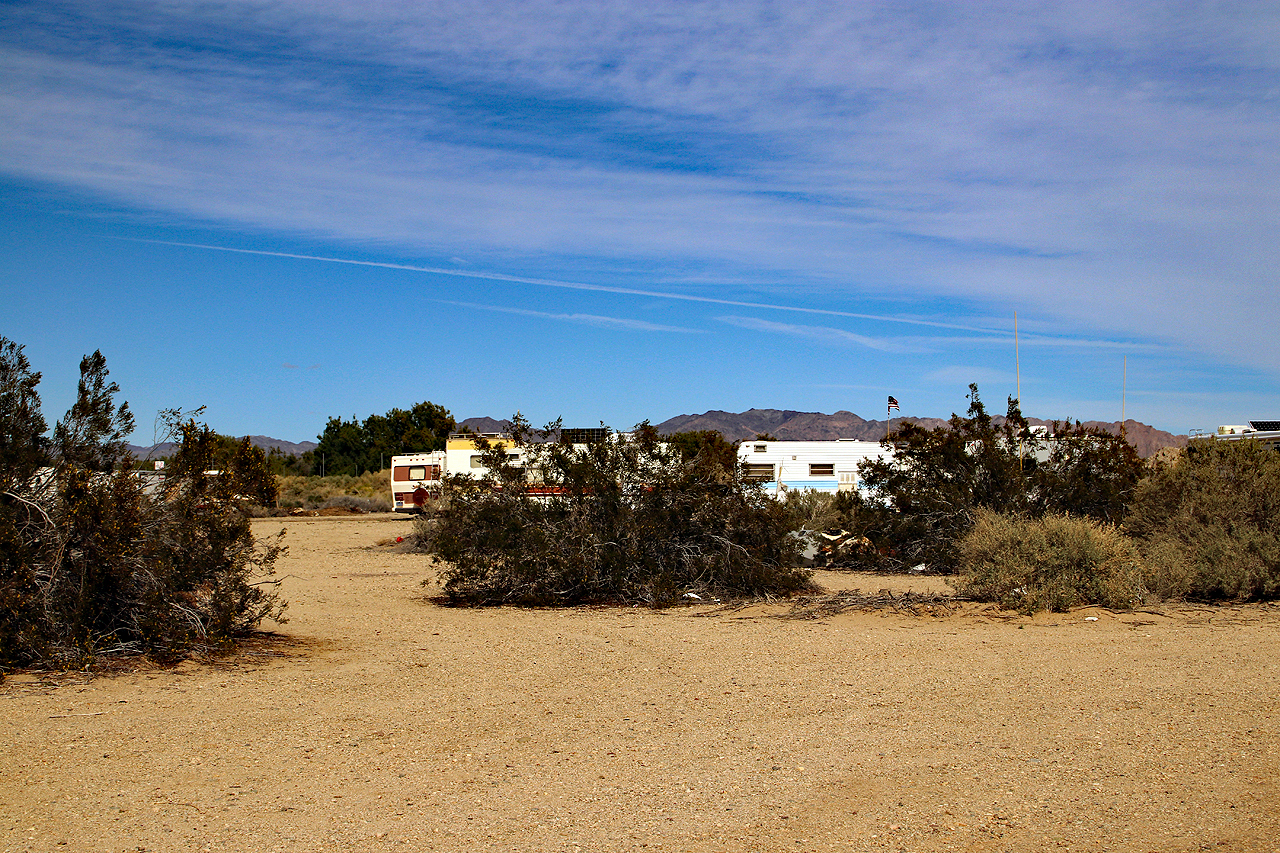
(1265, 426)
(583, 436)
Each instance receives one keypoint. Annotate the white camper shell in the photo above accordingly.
(824, 466)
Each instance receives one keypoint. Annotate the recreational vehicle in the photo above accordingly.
(1266, 433)
(824, 466)
(464, 457)
(418, 476)
(415, 478)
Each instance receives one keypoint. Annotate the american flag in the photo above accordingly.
(893, 403)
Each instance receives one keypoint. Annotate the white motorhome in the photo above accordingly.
(1266, 433)
(463, 456)
(825, 466)
(415, 478)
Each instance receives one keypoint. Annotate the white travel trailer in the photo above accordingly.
(415, 478)
(825, 466)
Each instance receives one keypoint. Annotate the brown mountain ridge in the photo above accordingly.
(788, 425)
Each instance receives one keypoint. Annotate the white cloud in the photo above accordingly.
(825, 334)
(624, 323)
(1112, 168)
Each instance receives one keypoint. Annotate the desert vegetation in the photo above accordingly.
(355, 447)
(1055, 562)
(1034, 522)
(365, 492)
(1209, 524)
(1029, 520)
(928, 496)
(626, 520)
(100, 560)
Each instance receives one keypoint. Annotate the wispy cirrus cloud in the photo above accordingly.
(824, 334)
(989, 151)
(625, 323)
(1109, 171)
(489, 275)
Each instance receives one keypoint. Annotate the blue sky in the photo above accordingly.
(605, 211)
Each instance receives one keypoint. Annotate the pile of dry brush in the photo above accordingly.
(632, 519)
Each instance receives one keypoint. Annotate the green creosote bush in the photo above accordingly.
(1055, 563)
(924, 500)
(634, 520)
(1209, 523)
(98, 560)
(812, 510)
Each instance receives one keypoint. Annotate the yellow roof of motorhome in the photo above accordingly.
(459, 442)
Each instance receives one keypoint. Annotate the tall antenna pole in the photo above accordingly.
(1017, 358)
(1124, 387)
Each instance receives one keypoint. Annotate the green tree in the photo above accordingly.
(1089, 473)
(353, 447)
(23, 450)
(244, 473)
(22, 426)
(342, 448)
(708, 444)
(92, 435)
(926, 494)
(93, 560)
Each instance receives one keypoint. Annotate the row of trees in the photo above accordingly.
(354, 447)
(96, 558)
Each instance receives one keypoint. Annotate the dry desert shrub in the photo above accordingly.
(316, 492)
(358, 504)
(1054, 563)
(1209, 524)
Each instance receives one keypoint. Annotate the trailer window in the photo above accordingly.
(761, 448)
(822, 469)
(760, 472)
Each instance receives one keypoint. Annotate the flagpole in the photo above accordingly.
(1017, 368)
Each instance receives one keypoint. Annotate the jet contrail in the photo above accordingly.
(569, 285)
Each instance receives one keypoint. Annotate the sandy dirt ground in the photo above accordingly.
(377, 720)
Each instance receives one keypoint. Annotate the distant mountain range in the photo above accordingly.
(267, 443)
(783, 424)
(787, 425)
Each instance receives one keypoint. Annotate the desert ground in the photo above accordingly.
(377, 720)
